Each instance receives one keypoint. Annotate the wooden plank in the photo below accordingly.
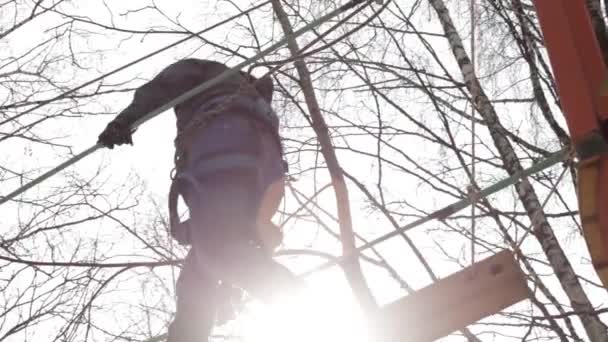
(592, 199)
(451, 304)
(601, 265)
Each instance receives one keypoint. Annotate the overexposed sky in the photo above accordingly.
(149, 161)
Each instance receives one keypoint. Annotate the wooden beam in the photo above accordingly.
(451, 304)
(592, 199)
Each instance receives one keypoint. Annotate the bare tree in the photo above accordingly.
(385, 89)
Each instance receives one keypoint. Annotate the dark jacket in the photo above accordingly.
(184, 75)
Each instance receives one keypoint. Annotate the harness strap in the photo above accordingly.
(180, 230)
(251, 107)
(184, 179)
(176, 228)
(225, 162)
(255, 108)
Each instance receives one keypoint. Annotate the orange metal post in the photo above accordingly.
(580, 71)
(564, 24)
(590, 55)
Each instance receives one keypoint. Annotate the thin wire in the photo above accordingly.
(189, 94)
(153, 53)
(473, 186)
(553, 190)
(453, 208)
(440, 214)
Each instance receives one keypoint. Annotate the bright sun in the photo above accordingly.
(319, 314)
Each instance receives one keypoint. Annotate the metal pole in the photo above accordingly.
(187, 95)
(453, 208)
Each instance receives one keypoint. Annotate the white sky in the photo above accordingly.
(150, 159)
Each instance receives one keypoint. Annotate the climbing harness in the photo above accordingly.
(244, 102)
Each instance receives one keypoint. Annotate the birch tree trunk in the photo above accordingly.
(595, 329)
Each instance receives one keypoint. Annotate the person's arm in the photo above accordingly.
(173, 81)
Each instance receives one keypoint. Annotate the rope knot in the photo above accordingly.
(473, 193)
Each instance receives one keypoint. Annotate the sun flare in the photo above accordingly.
(319, 315)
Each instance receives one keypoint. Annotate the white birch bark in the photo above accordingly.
(595, 329)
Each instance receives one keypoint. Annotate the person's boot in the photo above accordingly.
(190, 326)
(231, 303)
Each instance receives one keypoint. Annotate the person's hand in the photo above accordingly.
(116, 133)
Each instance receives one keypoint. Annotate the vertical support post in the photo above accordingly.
(577, 63)
(580, 71)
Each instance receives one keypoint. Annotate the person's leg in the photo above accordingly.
(225, 210)
(197, 297)
(230, 249)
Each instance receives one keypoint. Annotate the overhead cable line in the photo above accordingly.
(453, 208)
(440, 215)
(189, 94)
(151, 54)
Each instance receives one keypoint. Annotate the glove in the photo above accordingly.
(117, 132)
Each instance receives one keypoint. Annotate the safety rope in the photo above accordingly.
(440, 214)
(189, 94)
(474, 92)
(125, 66)
(453, 208)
